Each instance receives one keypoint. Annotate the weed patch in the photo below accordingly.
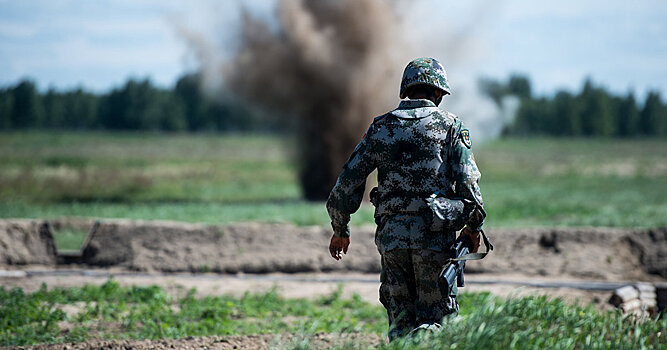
(111, 311)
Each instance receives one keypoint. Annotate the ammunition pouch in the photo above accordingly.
(449, 214)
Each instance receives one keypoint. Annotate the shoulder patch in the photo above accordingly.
(465, 138)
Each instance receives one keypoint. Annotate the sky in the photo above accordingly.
(99, 44)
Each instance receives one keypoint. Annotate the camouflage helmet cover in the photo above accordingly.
(424, 70)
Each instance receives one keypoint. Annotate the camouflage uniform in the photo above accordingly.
(418, 149)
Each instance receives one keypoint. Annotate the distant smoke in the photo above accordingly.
(328, 70)
(327, 67)
(458, 39)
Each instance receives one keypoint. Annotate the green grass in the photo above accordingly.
(143, 168)
(231, 178)
(539, 323)
(111, 311)
(69, 239)
(575, 182)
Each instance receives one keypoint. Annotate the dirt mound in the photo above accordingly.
(251, 248)
(588, 253)
(592, 253)
(24, 242)
(651, 247)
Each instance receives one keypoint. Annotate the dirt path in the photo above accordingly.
(307, 285)
(246, 342)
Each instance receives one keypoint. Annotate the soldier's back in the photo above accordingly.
(411, 146)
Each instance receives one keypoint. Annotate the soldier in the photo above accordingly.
(418, 150)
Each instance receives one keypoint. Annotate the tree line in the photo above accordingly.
(137, 105)
(593, 111)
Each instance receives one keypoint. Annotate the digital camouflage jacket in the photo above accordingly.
(418, 149)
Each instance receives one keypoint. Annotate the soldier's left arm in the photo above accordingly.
(345, 198)
(466, 175)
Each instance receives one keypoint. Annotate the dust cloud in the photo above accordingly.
(326, 68)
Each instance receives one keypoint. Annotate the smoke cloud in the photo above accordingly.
(328, 70)
(327, 67)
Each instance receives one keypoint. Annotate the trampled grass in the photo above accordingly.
(112, 311)
(231, 178)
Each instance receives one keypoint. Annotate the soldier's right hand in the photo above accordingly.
(338, 245)
(475, 238)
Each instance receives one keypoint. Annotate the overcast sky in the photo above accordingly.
(99, 44)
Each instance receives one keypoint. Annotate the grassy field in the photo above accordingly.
(228, 178)
(222, 179)
(110, 311)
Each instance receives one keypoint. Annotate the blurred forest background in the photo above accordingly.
(139, 105)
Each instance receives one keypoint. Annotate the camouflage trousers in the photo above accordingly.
(410, 290)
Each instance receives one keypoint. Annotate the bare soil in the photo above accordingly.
(233, 259)
(26, 242)
(250, 342)
(157, 246)
(247, 248)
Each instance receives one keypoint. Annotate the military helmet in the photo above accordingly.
(424, 70)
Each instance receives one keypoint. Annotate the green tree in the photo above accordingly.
(519, 86)
(652, 118)
(628, 116)
(533, 117)
(592, 112)
(141, 106)
(171, 111)
(128, 108)
(566, 111)
(197, 106)
(596, 115)
(81, 109)
(6, 108)
(54, 109)
(28, 111)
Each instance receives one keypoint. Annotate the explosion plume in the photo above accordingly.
(325, 68)
(328, 69)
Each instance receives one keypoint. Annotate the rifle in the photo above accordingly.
(452, 272)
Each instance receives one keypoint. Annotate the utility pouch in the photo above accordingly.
(448, 214)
